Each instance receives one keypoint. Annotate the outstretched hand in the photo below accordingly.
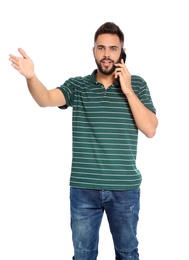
(23, 64)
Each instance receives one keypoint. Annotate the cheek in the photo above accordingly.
(97, 56)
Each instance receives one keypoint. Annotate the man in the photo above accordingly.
(109, 107)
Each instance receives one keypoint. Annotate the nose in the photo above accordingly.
(106, 55)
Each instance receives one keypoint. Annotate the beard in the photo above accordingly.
(109, 70)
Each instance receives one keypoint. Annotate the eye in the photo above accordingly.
(113, 48)
(100, 48)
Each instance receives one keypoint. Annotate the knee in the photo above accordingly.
(128, 254)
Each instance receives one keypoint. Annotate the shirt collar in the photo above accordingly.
(93, 80)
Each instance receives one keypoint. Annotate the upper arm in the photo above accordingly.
(56, 98)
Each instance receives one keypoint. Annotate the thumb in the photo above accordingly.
(23, 53)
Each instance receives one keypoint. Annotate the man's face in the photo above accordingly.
(107, 51)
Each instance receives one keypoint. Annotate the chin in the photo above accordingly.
(109, 71)
(106, 70)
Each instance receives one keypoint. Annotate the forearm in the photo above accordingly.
(145, 119)
(38, 91)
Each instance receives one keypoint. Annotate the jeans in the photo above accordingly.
(122, 209)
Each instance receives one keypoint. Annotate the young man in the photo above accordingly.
(109, 107)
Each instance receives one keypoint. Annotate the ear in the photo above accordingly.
(93, 49)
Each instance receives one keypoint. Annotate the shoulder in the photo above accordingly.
(137, 79)
(138, 83)
(79, 79)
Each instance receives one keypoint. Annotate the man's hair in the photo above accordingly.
(110, 28)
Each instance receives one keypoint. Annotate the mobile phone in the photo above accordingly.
(123, 55)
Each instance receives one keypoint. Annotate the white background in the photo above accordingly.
(35, 143)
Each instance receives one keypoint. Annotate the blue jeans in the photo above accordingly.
(122, 209)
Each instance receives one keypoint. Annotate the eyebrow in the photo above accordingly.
(111, 46)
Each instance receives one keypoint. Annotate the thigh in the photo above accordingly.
(86, 217)
(122, 213)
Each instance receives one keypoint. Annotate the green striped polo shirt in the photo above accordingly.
(104, 135)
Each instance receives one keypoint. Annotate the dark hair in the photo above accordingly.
(110, 28)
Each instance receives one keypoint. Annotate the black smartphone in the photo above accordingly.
(123, 55)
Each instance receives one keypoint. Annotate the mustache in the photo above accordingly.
(107, 59)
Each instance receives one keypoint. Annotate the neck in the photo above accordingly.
(106, 80)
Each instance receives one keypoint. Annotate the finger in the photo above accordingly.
(118, 69)
(117, 74)
(15, 66)
(23, 53)
(12, 57)
(14, 60)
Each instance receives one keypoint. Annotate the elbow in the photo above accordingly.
(42, 105)
(42, 101)
(151, 130)
(150, 134)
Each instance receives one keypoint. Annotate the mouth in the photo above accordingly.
(106, 62)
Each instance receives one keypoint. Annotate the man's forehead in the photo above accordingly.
(107, 40)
